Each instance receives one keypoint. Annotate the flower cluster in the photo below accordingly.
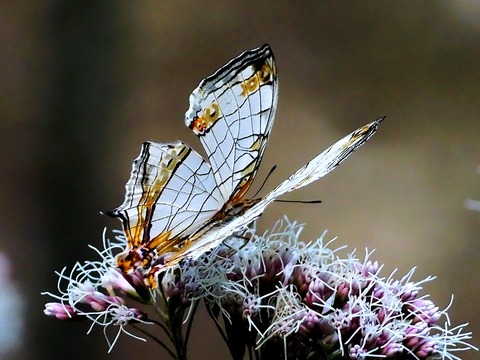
(272, 296)
(281, 297)
(95, 290)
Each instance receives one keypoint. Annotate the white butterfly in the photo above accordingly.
(177, 205)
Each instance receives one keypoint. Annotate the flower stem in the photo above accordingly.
(158, 341)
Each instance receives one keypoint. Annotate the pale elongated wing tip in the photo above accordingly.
(368, 130)
(379, 120)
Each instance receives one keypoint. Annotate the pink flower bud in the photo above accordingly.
(60, 311)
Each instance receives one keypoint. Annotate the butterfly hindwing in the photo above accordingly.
(171, 192)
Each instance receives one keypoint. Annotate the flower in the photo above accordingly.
(96, 291)
(60, 311)
(272, 296)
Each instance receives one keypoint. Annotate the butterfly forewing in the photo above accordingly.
(232, 113)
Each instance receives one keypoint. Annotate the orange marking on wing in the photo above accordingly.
(160, 242)
(242, 190)
(205, 121)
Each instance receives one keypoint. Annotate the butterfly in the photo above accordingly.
(177, 204)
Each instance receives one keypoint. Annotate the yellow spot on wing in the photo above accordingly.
(250, 85)
(262, 76)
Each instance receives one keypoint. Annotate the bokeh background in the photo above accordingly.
(84, 83)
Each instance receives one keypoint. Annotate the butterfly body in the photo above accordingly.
(177, 204)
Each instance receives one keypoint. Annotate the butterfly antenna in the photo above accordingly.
(299, 201)
(265, 181)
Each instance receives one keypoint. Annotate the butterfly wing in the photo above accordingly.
(328, 160)
(171, 192)
(232, 113)
(320, 166)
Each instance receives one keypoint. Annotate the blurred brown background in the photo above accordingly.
(83, 84)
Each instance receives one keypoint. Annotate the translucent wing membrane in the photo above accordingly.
(171, 192)
(232, 113)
